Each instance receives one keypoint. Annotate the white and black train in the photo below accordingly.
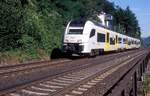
(84, 37)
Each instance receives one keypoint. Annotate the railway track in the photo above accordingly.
(74, 82)
(29, 66)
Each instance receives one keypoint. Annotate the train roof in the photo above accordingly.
(108, 29)
(82, 21)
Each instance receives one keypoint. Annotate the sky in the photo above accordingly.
(141, 8)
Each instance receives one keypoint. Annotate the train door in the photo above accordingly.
(107, 44)
(92, 39)
(116, 43)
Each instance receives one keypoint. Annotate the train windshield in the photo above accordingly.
(76, 26)
(78, 23)
(75, 31)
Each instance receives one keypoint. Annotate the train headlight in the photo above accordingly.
(79, 41)
(66, 40)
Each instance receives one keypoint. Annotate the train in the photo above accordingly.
(85, 37)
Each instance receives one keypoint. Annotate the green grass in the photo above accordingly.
(22, 56)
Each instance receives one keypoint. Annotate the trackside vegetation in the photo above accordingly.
(31, 29)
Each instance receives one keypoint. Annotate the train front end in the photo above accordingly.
(74, 38)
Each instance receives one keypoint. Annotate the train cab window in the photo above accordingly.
(92, 33)
(100, 37)
(107, 38)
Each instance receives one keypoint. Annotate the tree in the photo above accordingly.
(42, 22)
(127, 19)
(11, 18)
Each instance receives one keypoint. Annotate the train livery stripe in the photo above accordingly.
(116, 43)
(117, 46)
(126, 45)
(107, 43)
(107, 47)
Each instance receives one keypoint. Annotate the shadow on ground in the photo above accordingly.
(59, 54)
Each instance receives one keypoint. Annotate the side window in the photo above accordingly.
(107, 38)
(100, 37)
(124, 41)
(129, 42)
(112, 41)
(92, 33)
(119, 40)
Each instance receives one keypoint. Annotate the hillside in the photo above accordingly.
(31, 29)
